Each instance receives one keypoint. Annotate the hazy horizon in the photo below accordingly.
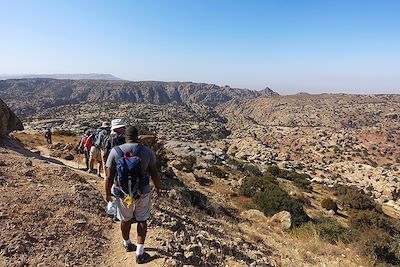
(288, 46)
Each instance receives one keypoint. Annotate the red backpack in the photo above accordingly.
(87, 142)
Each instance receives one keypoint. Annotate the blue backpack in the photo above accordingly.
(128, 173)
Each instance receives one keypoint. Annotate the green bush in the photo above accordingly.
(255, 184)
(216, 171)
(329, 204)
(273, 200)
(234, 162)
(300, 180)
(189, 162)
(274, 170)
(252, 169)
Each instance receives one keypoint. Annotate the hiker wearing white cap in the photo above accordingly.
(116, 137)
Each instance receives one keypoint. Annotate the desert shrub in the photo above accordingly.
(328, 230)
(329, 204)
(367, 219)
(255, 184)
(283, 173)
(380, 245)
(300, 180)
(353, 198)
(274, 170)
(357, 200)
(252, 169)
(236, 163)
(340, 190)
(189, 162)
(216, 171)
(273, 200)
(304, 200)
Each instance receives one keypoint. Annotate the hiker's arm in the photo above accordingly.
(152, 169)
(146, 137)
(110, 174)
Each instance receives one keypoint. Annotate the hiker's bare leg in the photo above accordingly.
(125, 229)
(100, 167)
(141, 232)
(91, 163)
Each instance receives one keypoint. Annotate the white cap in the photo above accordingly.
(117, 123)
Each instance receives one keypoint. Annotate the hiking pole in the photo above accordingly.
(79, 159)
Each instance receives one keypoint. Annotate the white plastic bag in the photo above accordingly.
(111, 208)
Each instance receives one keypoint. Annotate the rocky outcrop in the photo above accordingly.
(8, 120)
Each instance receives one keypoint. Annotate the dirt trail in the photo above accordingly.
(116, 254)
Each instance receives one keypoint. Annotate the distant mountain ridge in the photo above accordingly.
(26, 96)
(90, 76)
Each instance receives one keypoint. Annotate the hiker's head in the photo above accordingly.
(131, 134)
(104, 125)
(118, 126)
(87, 132)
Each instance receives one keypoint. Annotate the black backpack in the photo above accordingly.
(112, 141)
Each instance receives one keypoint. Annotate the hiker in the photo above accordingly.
(85, 145)
(115, 138)
(95, 155)
(137, 201)
(105, 132)
(96, 150)
(48, 135)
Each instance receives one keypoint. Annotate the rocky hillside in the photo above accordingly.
(30, 95)
(8, 120)
(325, 110)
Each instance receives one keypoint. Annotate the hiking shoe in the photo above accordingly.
(89, 171)
(130, 247)
(140, 259)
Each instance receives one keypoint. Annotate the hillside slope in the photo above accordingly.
(29, 95)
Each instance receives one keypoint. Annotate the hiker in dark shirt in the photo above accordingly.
(48, 135)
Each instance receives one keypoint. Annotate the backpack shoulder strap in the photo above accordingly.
(137, 149)
(119, 151)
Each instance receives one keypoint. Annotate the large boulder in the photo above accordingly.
(282, 220)
(8, 120)
(254, 215)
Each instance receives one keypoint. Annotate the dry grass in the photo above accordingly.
(32, 140)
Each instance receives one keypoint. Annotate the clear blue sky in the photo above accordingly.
(348, 46)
